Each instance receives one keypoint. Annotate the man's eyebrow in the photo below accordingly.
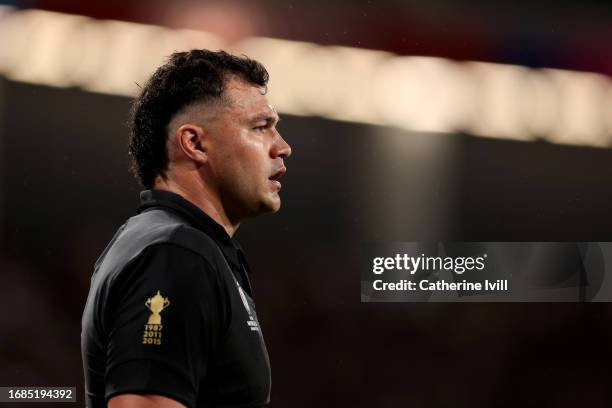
(269, 119)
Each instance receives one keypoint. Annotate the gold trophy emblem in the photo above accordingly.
(156, 304)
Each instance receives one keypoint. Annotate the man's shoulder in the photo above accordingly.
(154, 228)
(162, 226)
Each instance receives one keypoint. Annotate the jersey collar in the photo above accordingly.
(197, 218)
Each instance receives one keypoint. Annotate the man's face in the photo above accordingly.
(245, 152)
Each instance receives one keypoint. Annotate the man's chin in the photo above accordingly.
(271, 206)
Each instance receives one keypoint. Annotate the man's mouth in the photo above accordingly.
(278, 173)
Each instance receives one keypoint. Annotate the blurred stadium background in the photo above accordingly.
(447, 120)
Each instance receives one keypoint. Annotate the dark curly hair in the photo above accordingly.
(186, 78)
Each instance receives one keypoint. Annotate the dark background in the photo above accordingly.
(65, 189)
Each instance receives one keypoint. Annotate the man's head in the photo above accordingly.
(204, 115)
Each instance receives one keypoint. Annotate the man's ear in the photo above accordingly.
(191, 140)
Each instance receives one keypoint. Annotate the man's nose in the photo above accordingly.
(282, 148)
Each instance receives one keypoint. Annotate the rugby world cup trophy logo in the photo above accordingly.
(156, 304)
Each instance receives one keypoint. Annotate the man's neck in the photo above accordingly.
(202, 199)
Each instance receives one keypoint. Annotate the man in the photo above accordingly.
(170, 320)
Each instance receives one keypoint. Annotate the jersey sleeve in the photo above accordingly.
(165, 315)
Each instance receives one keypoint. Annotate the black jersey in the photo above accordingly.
(170, 312)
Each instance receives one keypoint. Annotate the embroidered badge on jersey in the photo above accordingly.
(253, 325)
(153, 329)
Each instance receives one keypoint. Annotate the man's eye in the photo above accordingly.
(260, 128)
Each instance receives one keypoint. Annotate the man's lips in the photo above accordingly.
(278, 173)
